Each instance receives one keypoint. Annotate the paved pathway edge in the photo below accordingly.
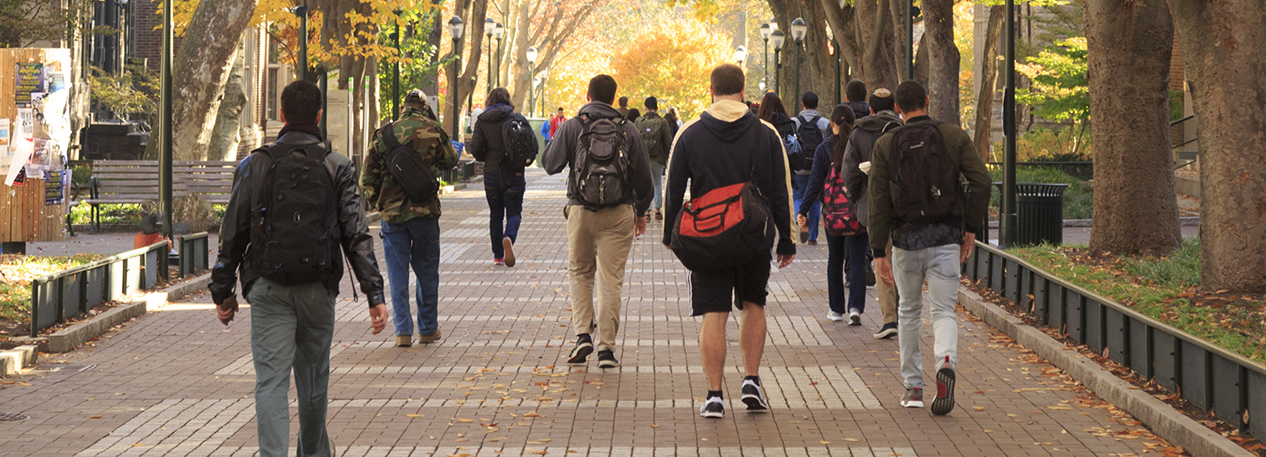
(1160, 417)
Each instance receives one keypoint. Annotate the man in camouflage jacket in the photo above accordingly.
(410, 229)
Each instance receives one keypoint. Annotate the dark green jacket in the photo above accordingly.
(382, 193)
(883, 219)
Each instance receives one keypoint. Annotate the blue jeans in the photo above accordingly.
(505, 200)
(800, 184)
(291, 328)
(657, 175)
(940, 268)
(839, 250)
(415, 242)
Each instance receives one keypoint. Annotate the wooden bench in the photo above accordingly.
(136, 181)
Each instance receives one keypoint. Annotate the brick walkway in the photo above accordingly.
(176, 383)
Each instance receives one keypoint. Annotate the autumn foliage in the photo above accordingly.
(673, 64)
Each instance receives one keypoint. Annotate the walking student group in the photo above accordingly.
(886, 184)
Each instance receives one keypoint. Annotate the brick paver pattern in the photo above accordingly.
(176, 382)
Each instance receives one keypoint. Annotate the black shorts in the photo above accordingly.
(714, 291)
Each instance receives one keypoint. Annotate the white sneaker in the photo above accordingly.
(714, 408)
(854, 317)
(834, 316)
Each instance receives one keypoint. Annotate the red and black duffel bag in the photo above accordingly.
(726, 227)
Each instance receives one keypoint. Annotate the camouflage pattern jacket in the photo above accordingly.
(429, 140)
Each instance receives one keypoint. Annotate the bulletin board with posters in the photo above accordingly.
(34, 137)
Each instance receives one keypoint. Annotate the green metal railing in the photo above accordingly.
(65, 294)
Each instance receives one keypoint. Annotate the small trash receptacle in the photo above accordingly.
(1039, 212)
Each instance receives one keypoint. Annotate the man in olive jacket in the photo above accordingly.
(929, 251)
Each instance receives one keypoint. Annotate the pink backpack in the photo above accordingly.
(837, 211)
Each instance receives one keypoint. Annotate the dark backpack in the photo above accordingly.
(727, 226)
(651, 130)
(810, 137)
(925, 183)
(600, 175)
(519, 142)
(414, 177)
(298, 234)
(837, 211)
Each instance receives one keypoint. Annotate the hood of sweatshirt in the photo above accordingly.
(728, 120)
(877, 121)
(496, 113)
(598, 110)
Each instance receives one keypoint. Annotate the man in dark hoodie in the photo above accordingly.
(856, 165)
(599, 240)
(715, 151)
(855, 92)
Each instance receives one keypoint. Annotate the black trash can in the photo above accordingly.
(1039, 212)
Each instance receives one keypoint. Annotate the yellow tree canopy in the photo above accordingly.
(672, 64)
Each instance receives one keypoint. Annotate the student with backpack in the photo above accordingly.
(504, 142)
(811, 130)
(916, 200)
(855, 92)
(291, 258)
(400, 182)
(740, 190)
(857, 161)
(608, 189)
(657, 136)
(845, 237)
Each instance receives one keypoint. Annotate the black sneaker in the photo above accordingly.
(754, 396)
(584, 347)
(944, 402)
(606, 359)
(870, 275)
(913, 398)
(714, 408)
(889, 330)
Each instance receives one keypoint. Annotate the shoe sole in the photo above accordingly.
(944, 402)
(754, 404)
(509, 248)
(428, 339)
(608, 364)
(582, 355)
(834, 319)
(713, 414)
(912, 404)
(883, 335)
(854, 320)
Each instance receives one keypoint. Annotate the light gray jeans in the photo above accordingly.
(291, 328)
(939, 267)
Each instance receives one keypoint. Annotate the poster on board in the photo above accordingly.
(31, 79)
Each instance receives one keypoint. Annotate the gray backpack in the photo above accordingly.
(600, 173)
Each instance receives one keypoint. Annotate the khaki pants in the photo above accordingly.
(598, 242)
(887, 294)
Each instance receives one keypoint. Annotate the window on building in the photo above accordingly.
(272, 93)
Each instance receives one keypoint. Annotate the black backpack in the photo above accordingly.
(600, 174)
(651, 129)
(519, 142)
(925, 182)
(298, 234)
(414, 177)
(810, 137)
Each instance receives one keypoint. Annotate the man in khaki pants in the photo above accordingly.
(609, 189)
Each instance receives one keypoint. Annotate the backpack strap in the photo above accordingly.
(755, 148)
(388, 135)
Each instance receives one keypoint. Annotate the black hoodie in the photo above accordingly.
(486, 144)
(713, 151)
(860, 144)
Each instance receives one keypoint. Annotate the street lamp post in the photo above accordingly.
(531, 56)
(1009, 231)
(489, 26)
(778, 38)
(456, 28)
(395, 70)
(497, 32)
(798, 29)
(302, 64)
(544, 78)
(765, 31)
(835, 52)
(165, 154)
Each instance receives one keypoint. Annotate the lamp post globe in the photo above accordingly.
(740, 54)
(489, 24)
(777, 38)
(531, 57)
(456, 29)
(765, 31)
(798, 29)
(497, 31)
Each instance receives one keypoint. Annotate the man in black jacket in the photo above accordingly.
(599, 240)
(711, 152)
(292, 325)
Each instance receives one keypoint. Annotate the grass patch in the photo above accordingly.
(1164, 288)
(1078, 197)
(16, 274)
(126, 213)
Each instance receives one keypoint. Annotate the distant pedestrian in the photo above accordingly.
(410, 222)
(609, 189)
(846, 243)
(658, 138)
(624, 107)
(504, 183)
(545, 132)
(726, 146)
(632, 115)
(674, 122)
(556, 121)
(291, 267)
(857, 165)
(924, 214)
(855, 91)
(811, 130)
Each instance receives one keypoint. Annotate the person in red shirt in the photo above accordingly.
(556, 121)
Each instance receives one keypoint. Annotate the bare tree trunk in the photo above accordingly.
(474, 37)
(879, 65)
(943, 62)
(901, 20)
(521, 71)
(431, 85)
(224, 137)
(988, 82)
(200, 69)
(1224, 54)
(1129, 47)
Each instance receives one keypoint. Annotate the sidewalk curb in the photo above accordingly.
(1166, 422)
(14, 360)
(67, 339)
